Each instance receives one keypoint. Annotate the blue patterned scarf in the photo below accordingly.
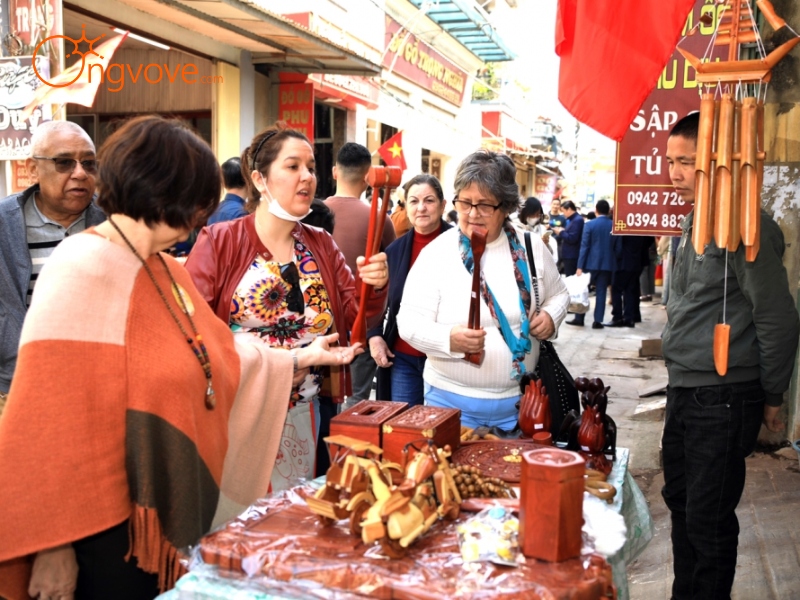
(521, 345)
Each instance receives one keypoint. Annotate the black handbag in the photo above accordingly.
(555, 377)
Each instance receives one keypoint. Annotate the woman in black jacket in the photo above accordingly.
(400, 375)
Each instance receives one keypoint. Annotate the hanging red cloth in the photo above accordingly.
(611, 58)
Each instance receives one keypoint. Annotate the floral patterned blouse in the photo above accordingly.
(261, 307)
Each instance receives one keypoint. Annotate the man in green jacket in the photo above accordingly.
(712, 421)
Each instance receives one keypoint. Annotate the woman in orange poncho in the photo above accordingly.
(134, 421)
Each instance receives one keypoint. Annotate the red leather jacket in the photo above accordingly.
(224, 251)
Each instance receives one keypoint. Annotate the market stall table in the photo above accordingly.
(289, 554)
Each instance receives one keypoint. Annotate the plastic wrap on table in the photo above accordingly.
(279, 544)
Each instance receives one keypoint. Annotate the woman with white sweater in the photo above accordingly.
(518, 307)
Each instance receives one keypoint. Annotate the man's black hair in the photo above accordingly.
(687, 127)
(232, 174)
(353, 156)
(602, 207)
(568, 205)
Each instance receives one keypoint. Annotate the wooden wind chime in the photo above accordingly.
(730, 142)
(387, 178)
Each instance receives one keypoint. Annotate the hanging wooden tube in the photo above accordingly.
(751, 252)
(722, 338)
(700, 227)
(734, 233)
(766, 8)
(723, 183)
(712, 178)
(749, 167)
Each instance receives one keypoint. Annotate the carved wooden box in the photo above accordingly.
(364, 420)
(442, 425)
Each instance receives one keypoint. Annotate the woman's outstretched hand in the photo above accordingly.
(321, 352)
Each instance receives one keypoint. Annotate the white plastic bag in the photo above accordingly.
(578, 288)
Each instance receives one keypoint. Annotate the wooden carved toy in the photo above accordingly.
(347, 492)
(400, 514)
(534, 409)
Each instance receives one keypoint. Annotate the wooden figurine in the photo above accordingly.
(591, 426)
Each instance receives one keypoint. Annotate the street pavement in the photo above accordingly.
(769, 544)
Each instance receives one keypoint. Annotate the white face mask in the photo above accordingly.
(534, 220)
(277, 210)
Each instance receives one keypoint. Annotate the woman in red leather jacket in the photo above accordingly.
(276, 279)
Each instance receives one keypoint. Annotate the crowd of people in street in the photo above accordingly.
(166, 393)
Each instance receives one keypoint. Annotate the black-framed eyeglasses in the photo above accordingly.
(484, 210)
(67, 165)
(294, 299)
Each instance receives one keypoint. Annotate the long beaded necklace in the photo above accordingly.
(196, 343)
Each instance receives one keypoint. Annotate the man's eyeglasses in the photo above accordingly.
(67, 165)
(484, 210)
(294, 299)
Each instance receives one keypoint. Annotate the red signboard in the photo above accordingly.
(32, 22)
(415, 60)
(20, 178)
(646, 202)
(296, 107)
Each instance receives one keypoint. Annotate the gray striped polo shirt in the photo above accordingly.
(43, 236)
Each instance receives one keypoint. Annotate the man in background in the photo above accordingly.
(352, 225)
(63, 166)
(556, 218)
(712, 421)
(232, 205)
(569, 236)
(597, 257)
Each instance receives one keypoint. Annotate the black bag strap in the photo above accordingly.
(532, 266)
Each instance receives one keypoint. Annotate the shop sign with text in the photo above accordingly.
(296, 107)
(18, 83)
(646, 202)
(415, 60)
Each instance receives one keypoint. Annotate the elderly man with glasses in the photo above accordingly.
(34, 222)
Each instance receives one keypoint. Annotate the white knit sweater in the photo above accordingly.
(436, 299)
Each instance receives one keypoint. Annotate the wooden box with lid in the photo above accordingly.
(364, 420)
(442, 425)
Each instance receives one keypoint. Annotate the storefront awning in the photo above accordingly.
(271, 38)
(471, 27)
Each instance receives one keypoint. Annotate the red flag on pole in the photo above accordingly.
(612, 55)
(77, 84)
(392, 151)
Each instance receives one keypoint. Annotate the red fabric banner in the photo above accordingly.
(392, 151)
(612, 55)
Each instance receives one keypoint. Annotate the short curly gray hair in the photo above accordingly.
(494, 173)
